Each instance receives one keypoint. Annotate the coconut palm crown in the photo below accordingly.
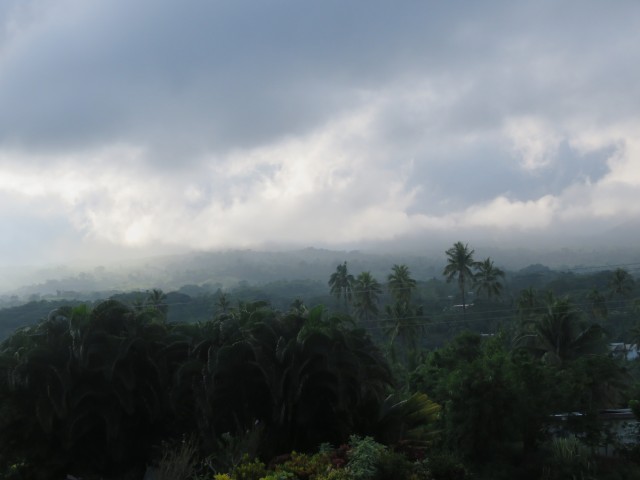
(460, 265)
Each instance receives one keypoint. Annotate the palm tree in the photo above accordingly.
(408, 420)
(598, 304)
(308, 379)
(459, 266)
(559, 334)
(527, 302)
(157, 300)
(401, 284)
(223, 302)
(366, 290)
(406, 322)
(90, 389)
(487, 278)
(621, 284)
(341, 283)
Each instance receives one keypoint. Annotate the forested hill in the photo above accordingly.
(227, 269)
(193, 290)
(485, 355)
(221, 269)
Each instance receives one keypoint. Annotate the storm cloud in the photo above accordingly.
(216, 124)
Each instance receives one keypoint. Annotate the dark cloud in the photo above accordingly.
(209, 74)
(215, 75)
(221, 74)
(449, 104)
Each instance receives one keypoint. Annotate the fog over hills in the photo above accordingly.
(226, 269)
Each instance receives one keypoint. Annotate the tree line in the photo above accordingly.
(116, 388)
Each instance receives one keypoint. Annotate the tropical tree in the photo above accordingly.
(621, 284)
(341, 283)
(460, 265)
(401, 285)
(597, 304)
(528, 302)
(93, 391)
(98, 381)
(365, 291)
(470, 376)
(223, 302)
(305, 378)
(408, 420)
(560, 335)
(404, 322)
(298, 307)
(157, 300)
(488, 278)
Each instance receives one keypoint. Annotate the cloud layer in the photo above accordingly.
(216, 124)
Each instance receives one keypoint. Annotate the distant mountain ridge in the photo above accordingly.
(226, 269)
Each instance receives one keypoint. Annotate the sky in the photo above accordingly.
(138, 128)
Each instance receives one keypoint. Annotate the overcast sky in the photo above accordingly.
(166, 125)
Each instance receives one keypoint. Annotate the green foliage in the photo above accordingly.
(230, 450)
(479, 408)
(559, 334)
(537, 395)
(406, 323)
(109, 384)
(249, 470)
(460, 265)
(621, 283)
(95, 382)
(410, 422)
(569, 459)
(100, 390)
(341, 284)
(221, 476)
(401, 284)
(280, 476)
(341, 474)
(446, 466)
(366, 291)
(304, 466)
(493, 397)
(392, 465)
(364, 457)
(177, 461)
(488, 278)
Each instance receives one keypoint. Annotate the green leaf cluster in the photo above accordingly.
(97, 390)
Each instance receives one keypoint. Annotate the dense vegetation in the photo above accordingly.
(399, 379)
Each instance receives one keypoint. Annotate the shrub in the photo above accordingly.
(569, 460)
(446, 466)
(305, 466)
(364, 457)
(249, 470)
(280, 476)
(176, 462)
(340, 474)
(392, 465)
